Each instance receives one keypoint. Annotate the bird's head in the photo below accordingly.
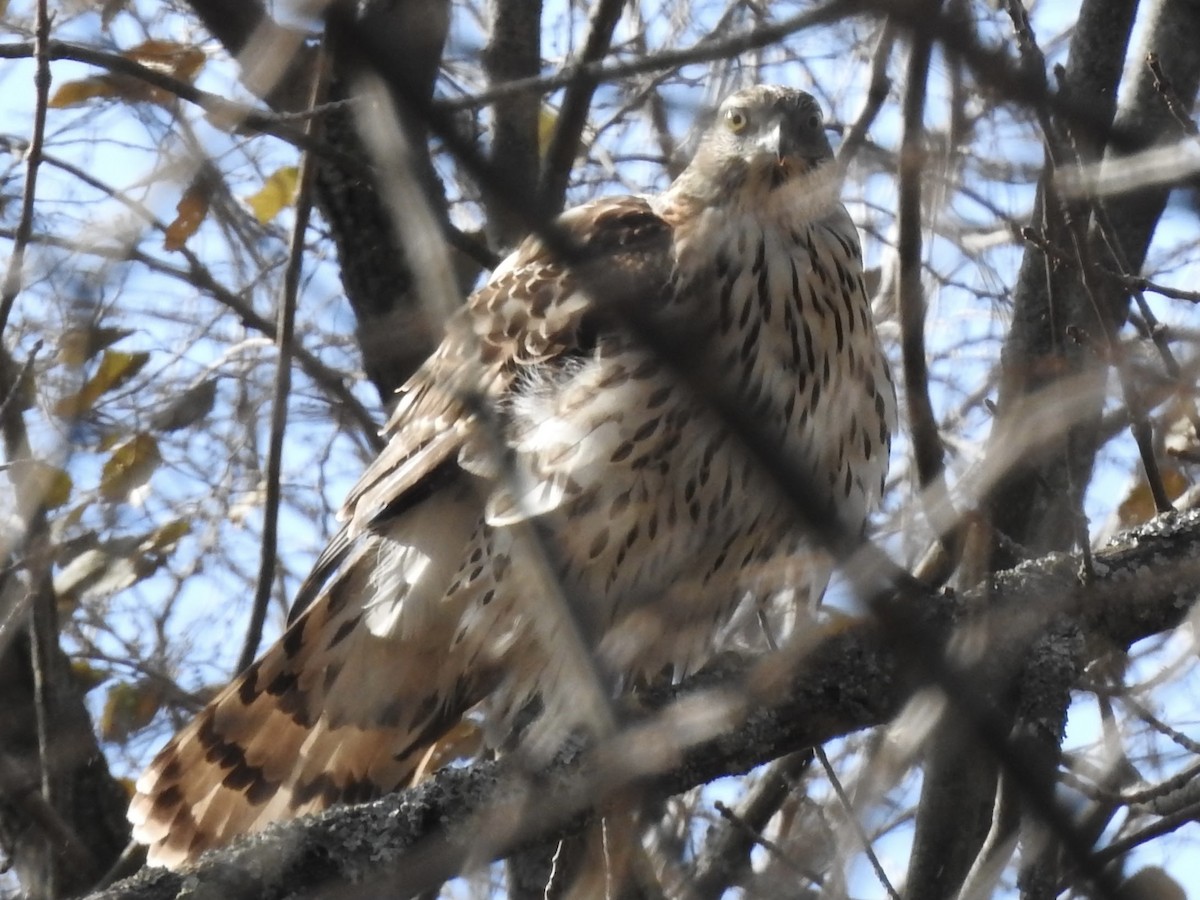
(762, 137)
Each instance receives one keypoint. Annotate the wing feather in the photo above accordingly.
(536, 310)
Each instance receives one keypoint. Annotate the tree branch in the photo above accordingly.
(577, 100)
(738, 714)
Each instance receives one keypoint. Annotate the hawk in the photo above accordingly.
(555, 502)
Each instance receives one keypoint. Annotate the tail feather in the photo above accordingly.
(341, 709)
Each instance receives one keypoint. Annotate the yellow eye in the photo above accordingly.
(736, 120)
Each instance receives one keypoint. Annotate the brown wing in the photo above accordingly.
(346, 704)
(535, 308)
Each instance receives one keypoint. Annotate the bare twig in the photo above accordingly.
(852, 818)
(577, 100)
(1165, 825)
(33, 159)
(199, 276)
(877, 93)
(285, 338)
(1170, 96)
(220, 109)
(704, 51)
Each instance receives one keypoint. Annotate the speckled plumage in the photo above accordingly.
(659, 523)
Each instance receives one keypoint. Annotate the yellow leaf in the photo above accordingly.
(547, 122)
(278, 191)
(76, 93)
(86, 675)
(190, 212)
(1138, 507)
(165, 537)
(128, 708)
(129, 467)
(77, 345)
(115, 369)
(43, 483)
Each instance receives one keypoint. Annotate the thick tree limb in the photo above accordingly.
(724, 721)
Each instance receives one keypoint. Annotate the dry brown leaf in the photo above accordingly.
(166, 57)
(189, 213)
(1138, 507)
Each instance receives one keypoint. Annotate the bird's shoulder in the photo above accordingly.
(610, 250)
(542, 305)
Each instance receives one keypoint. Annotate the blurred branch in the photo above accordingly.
(958, 776)
(877, 93)
(199, 276)
(705, 51)
(40, 49)
(218, 108)
(927, 444)
(852, 680)
(233, 22)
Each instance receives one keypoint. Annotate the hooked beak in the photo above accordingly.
(787, 156)
(772, 142)
(782, 144)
